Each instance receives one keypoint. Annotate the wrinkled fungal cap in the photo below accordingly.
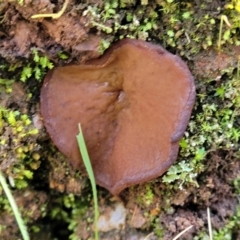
(133, 103)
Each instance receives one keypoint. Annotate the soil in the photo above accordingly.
(20, 32)
(55, 179)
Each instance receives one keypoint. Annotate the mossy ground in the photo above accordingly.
(55, 200)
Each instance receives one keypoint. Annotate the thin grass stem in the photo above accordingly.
(87, 163)
(16, 212)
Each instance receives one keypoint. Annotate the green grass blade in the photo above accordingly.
(87, 163)
(17, 214)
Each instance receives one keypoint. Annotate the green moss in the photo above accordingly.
(19, 148)
(186, 26)
(157, 228)
(16, 129)
(38, 68)
(181, 172)
(148, 195)
(4, 203)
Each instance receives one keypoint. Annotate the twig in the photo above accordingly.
(181, 233)
(209, 224)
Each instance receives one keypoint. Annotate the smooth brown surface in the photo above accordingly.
(133, 103)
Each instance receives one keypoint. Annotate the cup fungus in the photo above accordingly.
(133, 103)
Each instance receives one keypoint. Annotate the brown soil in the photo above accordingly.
(19, 32)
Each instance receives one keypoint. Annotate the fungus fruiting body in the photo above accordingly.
(133, 103)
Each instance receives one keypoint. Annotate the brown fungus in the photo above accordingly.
(133, 103)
